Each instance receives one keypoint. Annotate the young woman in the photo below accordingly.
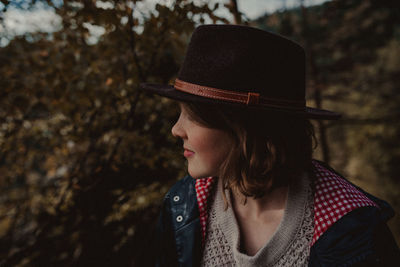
(253, 195)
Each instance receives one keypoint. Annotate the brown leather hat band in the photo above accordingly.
(248, 98)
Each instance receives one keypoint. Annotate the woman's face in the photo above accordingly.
(204, 148)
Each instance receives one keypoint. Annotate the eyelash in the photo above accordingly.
(188, 116)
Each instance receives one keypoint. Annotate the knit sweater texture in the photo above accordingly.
(289, 245)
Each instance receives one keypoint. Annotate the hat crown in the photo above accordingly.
(245, 68)
(245, 59)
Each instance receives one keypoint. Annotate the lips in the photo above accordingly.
(188, 153)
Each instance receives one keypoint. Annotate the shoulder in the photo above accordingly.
(174, 213)
(333, 188)
(358, 231)
(360, 238)
(181, 190)
(179, 225)
(180, 203)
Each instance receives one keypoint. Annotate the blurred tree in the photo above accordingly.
(84, 160)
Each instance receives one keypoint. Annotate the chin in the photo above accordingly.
(195, 176)
(198, 175)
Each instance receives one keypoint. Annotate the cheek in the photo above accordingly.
(215, 147)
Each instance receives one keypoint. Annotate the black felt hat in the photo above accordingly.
(243, 67)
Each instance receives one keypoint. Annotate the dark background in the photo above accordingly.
(85, 158)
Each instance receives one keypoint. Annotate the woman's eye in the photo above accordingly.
(185, 114)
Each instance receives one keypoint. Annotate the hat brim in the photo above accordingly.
(170, 92)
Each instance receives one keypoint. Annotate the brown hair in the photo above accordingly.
(270, 147)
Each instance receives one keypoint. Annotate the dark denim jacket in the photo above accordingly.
(360, 238)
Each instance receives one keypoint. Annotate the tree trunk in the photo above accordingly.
(237, 16)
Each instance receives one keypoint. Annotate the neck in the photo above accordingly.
(251, 208)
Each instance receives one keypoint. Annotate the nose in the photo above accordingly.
(177, 130)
